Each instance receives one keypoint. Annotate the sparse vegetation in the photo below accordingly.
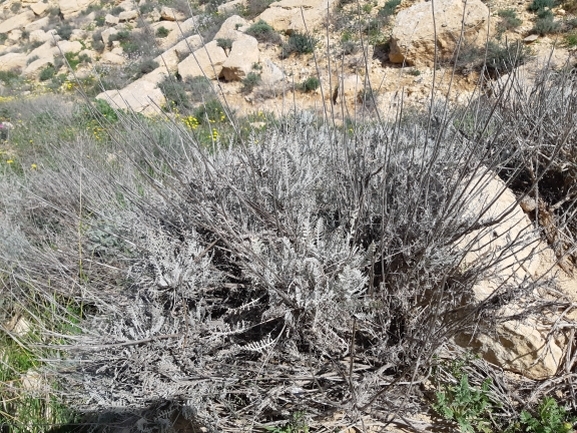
(47, 73)
(310, 84)
(264, 33)
(162, 32)
(252, 80)
(298, 43)
(509, 20)
(65, 30)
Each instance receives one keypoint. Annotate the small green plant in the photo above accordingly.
(225, 44)
(570, 40)
(414, 72)
(47, 73)
(116, 10)
(146, 8)
(509, 20)
(537, 5)
(162, 32)
(309, 85)
(549, 418)
(296, 424)
(546, 25)
(252, 80)
(389, 7)
(254, 8)
(263, 32)
(211, 111)
(468, 406)
(72, 60)
(65, 30)
(15, 7)
(9, 77)
(298, 43)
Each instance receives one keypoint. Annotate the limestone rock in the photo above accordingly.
(171, 14)
(71, 8)
(33, 67)
(271, 74)
(106, 34)
(243, 55)
(12, 61)
(285, 15)
(140, 96)
(509, 239)
(67, 47)
(413, 41)
(39, 8)
(112, 58)
(521, 347)
(39, 36)
(128, 15)
(232, 28)
(37, 25)
(111, 20)
(17, 22)
(206, 60)
(15, 35)
(176, 31)
(171, 57)
(231, 6)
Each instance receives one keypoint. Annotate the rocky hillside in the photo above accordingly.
(339, 56)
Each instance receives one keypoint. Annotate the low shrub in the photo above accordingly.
(162, 32)
(546, 25)
(509, 20)
(298, 43)
(309, 85)
(253, 8)
(264, 33)
(538, 5)
(65, 30)
(47, 73)
(252, 80)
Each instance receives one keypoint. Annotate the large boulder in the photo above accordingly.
(207, 60)
(141, 96)
(12, 61)
(413, 37)
(286, 15)
(507, 238)
(243, 56)
(171, 57)
(232, 28)
(19, 21)
(71, 8)
(176, 31)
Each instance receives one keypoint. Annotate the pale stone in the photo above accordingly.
(78, 35)
(176, 32)
(12, 61)
(231, 6)
(171, 57)
(413, 36)
(15, 35)
(171, 14)
(17, 325)
(531, 38)
(19, 21)
(39, 8)
(71, 8)
(232, 28)
(39, 36)
(112, 58)
(207, 60)
(128, 15)
(140, 96)
(271, 74)
(38, 64)
(521, 347)
(106, 34)
(64, 47)
(243, 55)
(38, 24)
(285, 15)
(111, 20)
